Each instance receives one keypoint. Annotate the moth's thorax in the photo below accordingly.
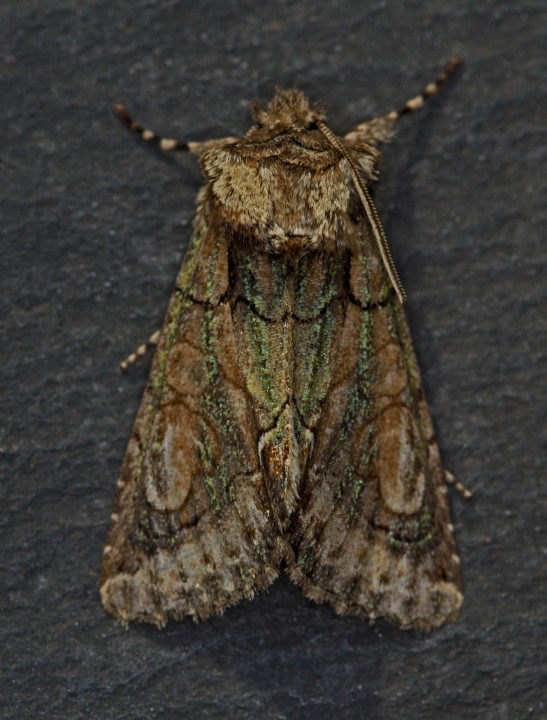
(283, 185)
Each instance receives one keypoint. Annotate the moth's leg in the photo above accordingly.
(168, 144)
(380, 129)
(451, 480)
(140, 351)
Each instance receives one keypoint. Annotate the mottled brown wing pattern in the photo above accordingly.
(284, 418)
(190, 532)
(372, 534)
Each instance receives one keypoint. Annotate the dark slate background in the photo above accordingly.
(94, 226)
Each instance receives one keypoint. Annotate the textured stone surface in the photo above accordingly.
(91, 245)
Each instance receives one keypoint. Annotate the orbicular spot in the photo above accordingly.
(391, 379)
(185, 364)
(402, 480)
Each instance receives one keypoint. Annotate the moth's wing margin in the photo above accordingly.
(190, 532)
(373, 535)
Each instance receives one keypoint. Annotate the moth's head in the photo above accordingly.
(287, 110)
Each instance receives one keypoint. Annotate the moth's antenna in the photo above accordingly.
(372, 215)
(167, 144)
(429, 91)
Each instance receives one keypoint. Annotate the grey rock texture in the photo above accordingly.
(92, 238)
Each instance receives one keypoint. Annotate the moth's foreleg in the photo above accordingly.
(167, 144)
(380, 129)
(140, 351)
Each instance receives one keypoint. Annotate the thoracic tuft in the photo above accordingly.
(288, 109)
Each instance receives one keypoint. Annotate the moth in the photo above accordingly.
(284, 425)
